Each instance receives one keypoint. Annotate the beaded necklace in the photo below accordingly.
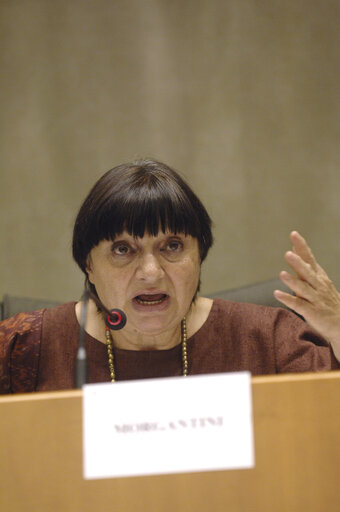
(109, 345)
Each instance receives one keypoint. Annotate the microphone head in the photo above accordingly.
(116, 319)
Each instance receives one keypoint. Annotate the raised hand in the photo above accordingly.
(316, 297)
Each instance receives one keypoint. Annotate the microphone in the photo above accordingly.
(115, 319)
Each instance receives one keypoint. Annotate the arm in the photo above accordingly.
(316, 297)
(19, 352)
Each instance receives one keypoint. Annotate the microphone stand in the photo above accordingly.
(81, 361)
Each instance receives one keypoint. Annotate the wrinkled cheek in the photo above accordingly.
(106, 290)
(192, 283)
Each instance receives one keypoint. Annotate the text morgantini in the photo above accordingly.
(153, 426)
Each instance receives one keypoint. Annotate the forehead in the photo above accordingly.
(160, 236)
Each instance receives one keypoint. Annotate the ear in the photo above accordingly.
(88, 269)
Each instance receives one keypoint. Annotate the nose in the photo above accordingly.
(149, 268)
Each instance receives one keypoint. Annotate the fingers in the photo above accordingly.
(301, 288)
(284, 297)
(302, 249)
(305, 271)
(305, 283)
(311, 284)
(316, 298)
(295, 303)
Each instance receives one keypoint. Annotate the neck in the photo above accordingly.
(134, 340)
(128, 338)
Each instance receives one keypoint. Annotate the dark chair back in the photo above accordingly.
(257, 293)
(11, 305)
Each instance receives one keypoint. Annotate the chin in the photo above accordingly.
(151, 326)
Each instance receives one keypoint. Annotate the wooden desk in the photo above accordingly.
(297, 451)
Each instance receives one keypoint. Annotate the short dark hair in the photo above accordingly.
(143, 196)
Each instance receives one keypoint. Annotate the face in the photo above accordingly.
(153, 279)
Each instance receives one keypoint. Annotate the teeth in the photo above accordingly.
(149, 302)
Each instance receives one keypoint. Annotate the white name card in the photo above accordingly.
(172, 425)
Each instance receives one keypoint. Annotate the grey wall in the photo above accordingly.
(241, 96)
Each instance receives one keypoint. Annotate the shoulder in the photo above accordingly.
(253, 320)
(296, 345)
(60, 324)
(234, 311)
(30, 322)
(63, 312)
(20, 324)
(20, 346)
(19, 351)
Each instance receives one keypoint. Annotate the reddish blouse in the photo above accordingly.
(38, 350)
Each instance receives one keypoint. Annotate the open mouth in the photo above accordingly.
(151, 299)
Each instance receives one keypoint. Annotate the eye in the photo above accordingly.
(121, 249)
(174, 246)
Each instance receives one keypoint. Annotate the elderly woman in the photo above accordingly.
(140, 238)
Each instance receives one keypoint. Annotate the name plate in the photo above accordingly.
(170, 425)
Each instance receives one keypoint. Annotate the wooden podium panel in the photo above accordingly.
(297, 457)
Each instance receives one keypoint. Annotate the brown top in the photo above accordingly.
(38, 350)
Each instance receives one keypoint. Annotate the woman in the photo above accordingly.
(140, 238)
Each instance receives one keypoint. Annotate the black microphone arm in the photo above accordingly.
(81, 361)
(114, 319)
